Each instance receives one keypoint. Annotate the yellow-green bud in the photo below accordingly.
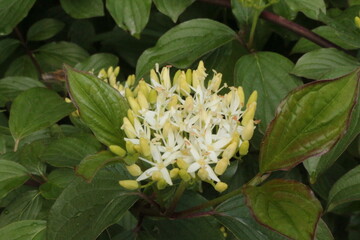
(145, 147)
(137, 148)
(216, 82)
(102, 74)
(152, 96)
(221, 166)
(129, 184)
(116, 71)
(165, 77)
(176, 78)
(117, 150)
(244, 148)
(144, 104)
(154, 76)
(248, 131)
(189, 104)
(230, 150)
(161, 184)
(182, 164)
(130, 147)
(144, 88)
(128, 128)
(130, 80)
(110, 71)
(184, 175)
(131, 116)
(128, 93)
(156, 176)
(252, 98)
(221, 186)
(134, 170)
(112, 81)
(134, 104)
(173, 101)
(249, 114)
(174, 173)
(68, 100)
(203, 174)
(241, 95)
(184, 86)
(189, 76)
(357, 21)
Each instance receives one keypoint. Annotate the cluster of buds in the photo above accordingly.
(183, 128)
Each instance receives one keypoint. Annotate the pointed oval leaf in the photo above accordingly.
(101, 107)
(12, 175)
(22, 66)
(12, 12)
(172, 8)
(269, 74)
(24, 230)
(131, 15)
(311, 8)
(7, 47)
(345, 190)
(98, 61)
(297, 132)
(44, 29)
(36, 109)
(183, 44)
(56, 182)
(285, 206)
(83, 8)
(84, 210)
(325, 63)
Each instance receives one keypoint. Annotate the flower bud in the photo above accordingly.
(184, 86)
(117, 150)
(116, 71)
(173, 102)
(165, 77)
(216, 82)
(145, 147)
(102, 74)
(131, 116)
(129, 184)
(161, 184)
(130, 80)
(244, 148)
(153, 76)
(68, 100)
(110, 71)
(134, 104)
(144, 88)
(128, 93)
(189, 104)
(230, 150)
(134, 170)
(137, 148)
(152, 96)
(182, 164)
(128, 128)
(248, 131)
(144, 104)
(357, 21)
(189, 76)
(130, 147)
(241, 95)
(221, 186)
(252, 98)
(156, 176)
(184, 175)
(112, 81)
(174, 173)
(176, 78)
(203, 174)
(221, 166)
(249, 114)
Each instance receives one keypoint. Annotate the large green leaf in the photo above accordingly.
(24, 230)
(130, 15)
(183, 44)
(297, 132)
(101, 107)
(7, 47)
(90, 165)
(172, 8)
(84, 210)
(11, 87)
(53, 55)
(56, 182)
(268, 73)
(12, 12)
(12, 175)
(83, 8)
(31, 157)
(25, 206)
(36, 109)
(285, 206)
(311, 8)
(319, 164)
(44, 29)
(345, 190)
(98, 61)
(325, 63)
(243, 14)
(69, 151)
(22, 66)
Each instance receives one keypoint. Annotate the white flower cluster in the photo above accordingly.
(184, 128)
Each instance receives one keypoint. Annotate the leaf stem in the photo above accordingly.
(179, 192)
(16, 146)
(253, 28)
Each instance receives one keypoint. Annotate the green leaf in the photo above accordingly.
(44, 29)
(319, 164)
(83, 8)
(183, 44)
(130, 15)
(43, 108)
(25, 206)
(304, 45)
(11, 87)
(243, 14)
(268, 73)
(101, 107)
(172, 8)
(307, 113)
(22, 66)
(90, 165)
(345, 190)
(325, 63)
(311, 8)
(285, 206)
(53, 55)
(31, 157)
(7, 47)
(69, 151)
(24, 230)
(12, 175)
(281, 8)
(12, 12)
(97, 62)
(57, 181)
(323, 232)
(84, 210)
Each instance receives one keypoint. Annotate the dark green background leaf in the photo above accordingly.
(44, 29)
(98, 61)
(83, 8)
(24, 230)
(172, 8)
(12, 175)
